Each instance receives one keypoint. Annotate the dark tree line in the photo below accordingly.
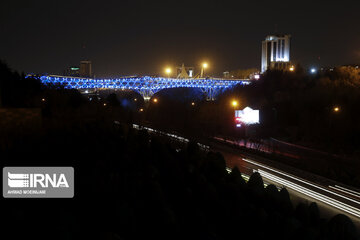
(129, 185)
(300, 107)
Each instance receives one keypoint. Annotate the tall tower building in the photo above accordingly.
(85, 69)
(275, 52)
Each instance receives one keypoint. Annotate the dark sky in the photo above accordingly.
(142, 37)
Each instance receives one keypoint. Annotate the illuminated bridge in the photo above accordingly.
(146, 86)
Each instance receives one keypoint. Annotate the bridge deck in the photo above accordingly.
(146, 86)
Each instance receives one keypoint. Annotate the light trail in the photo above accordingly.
(320, 197)
(301, 180)
(345, 190)
(178, 138)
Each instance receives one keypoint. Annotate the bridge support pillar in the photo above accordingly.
(146, 94)
(210, 93)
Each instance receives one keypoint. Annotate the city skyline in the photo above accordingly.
(138, 37)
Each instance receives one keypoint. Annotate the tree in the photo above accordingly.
(341, 227)
(235, 177)
(243, 73)
(112, 100)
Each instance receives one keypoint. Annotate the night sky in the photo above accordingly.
(142, 37)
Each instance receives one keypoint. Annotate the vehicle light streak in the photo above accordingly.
(345, 190)
(320, 197)
(303, 181)
(178, 138)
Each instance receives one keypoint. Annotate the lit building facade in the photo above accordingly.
(85, 69)
(72, 71)
(276, 52)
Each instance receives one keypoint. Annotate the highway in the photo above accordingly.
(331, 197)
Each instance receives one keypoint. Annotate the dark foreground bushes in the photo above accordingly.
(129, 185)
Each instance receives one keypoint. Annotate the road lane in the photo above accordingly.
(331, 199)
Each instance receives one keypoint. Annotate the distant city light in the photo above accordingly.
(104, 104)
(313, 70)
(257, 76)
(193, 104)
(135, 99)
(141, 110)
(336, 109)
(43, 100)
(155, 100)
(292, 68)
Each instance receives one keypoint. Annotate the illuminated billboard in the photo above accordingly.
(247, 116)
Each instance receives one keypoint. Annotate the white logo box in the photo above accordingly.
(38, 182)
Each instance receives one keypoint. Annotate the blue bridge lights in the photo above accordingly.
(146, 86)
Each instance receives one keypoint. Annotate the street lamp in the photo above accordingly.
(155, 100)
(234, 103)
(204, 65)
(168, 72)
(336, 109)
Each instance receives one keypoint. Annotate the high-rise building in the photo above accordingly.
(275, 52)
(85, 69)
